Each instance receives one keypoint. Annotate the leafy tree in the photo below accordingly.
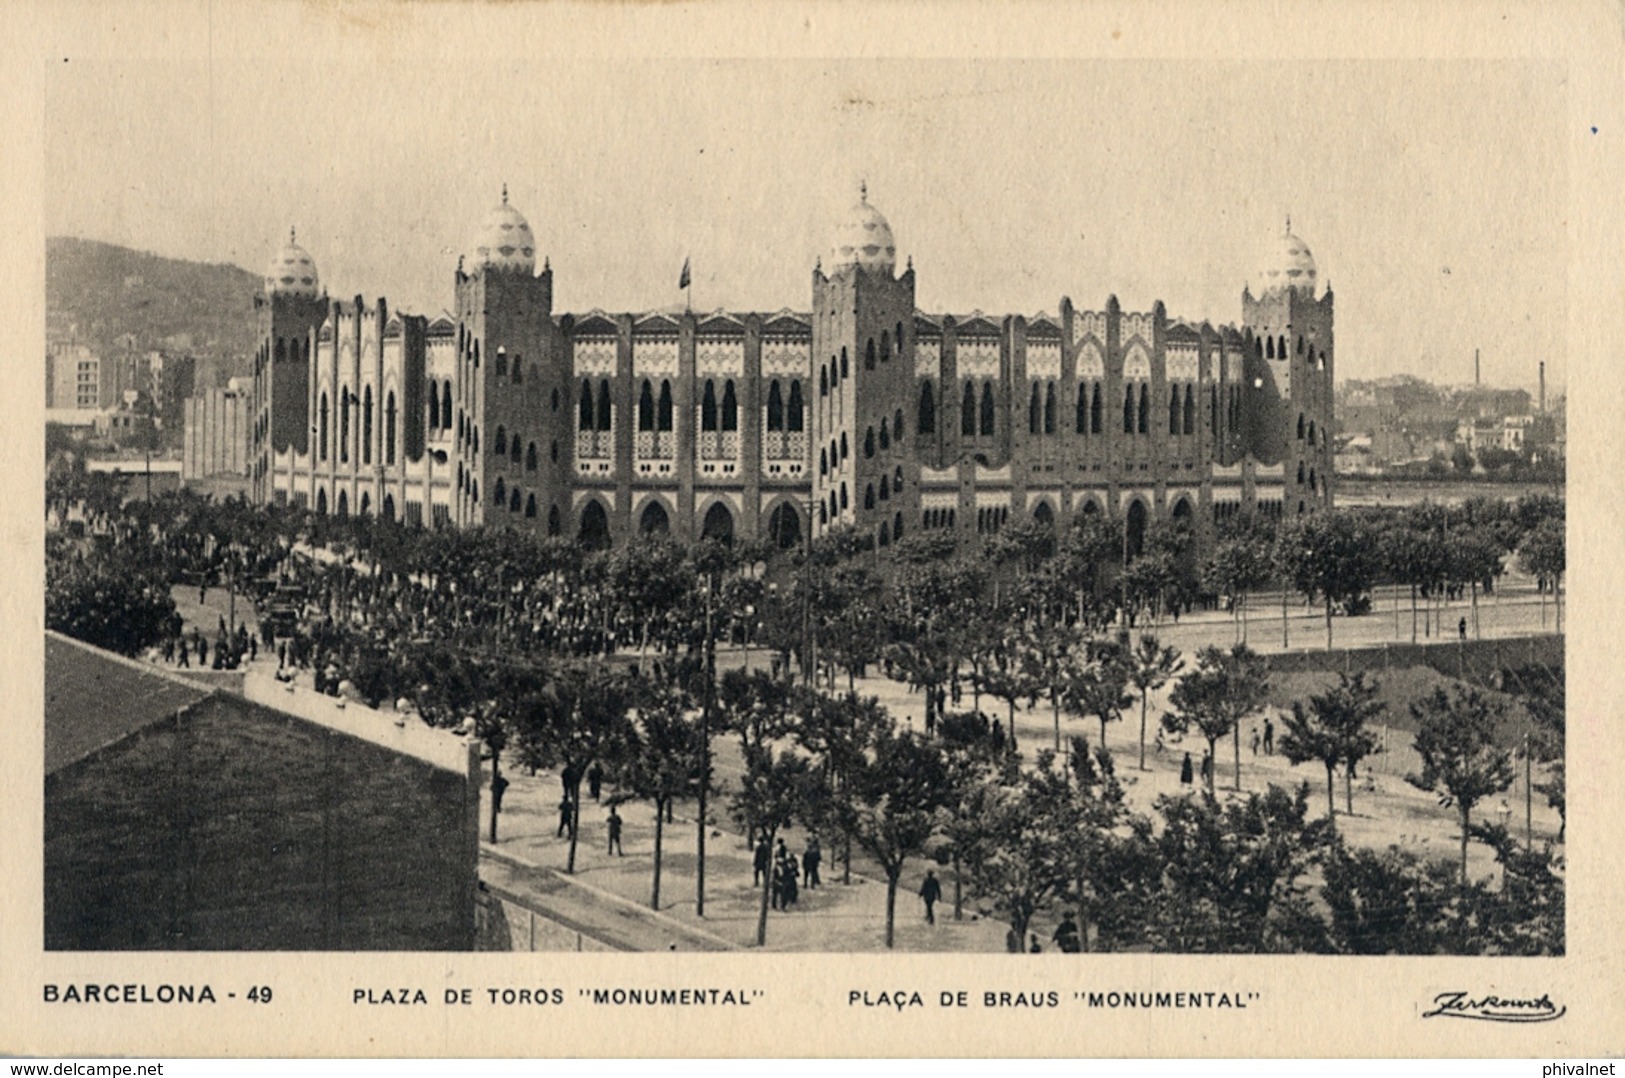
(579, 719)
(1461, 760)
(1474, 559)
(1333, 730)
(1386, 902)
(892, 801)
(109, 601)
(1236, 876)
(1101, 687)
(777, 783)
(1015, 859)
(756, 706)
(1237, 566)
(664, 760)
(1151, 665)
(1544, 554)
(1223, 689)
(835, 730)
(1330, 556)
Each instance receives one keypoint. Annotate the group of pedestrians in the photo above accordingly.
(783, 873)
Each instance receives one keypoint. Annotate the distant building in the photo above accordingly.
(217, 432)
(180, 817)
(861, 410)
(73, 377)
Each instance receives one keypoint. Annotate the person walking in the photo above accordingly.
(1256, 738)
(762, 862)
(564, 817)
(1269, 737)
(810, 860)
(1185, 770)
(930, 892)
(792, 890)
(1207, 767)
(615, 833)
(1461, 628)
(595, 780)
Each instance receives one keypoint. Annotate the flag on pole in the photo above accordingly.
(682, 279)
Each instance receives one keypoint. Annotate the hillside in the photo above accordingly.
(109, 292)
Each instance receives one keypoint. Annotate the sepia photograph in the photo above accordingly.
(1009, 508)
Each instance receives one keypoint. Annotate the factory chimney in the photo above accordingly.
(1543, 387)
(1477, 381)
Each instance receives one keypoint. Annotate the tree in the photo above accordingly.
(664, 760)
(1329, 555)
(1223, 689)
(1151, 667)
(1101, 687)
(580, 718)
(1237, 566)
(835, 730)
(772, 792)
(109, 601)
(1461, 760)
(1015, 858)
(756, 706)
(1475, 558)
(1544, 554)
(1385, 902)
(1332, 729)
(891, 805)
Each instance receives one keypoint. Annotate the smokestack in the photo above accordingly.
(1476, 380)
(1543, 387)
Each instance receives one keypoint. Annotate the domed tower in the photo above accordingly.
(1289, 416)
(290, 311)
(508, 394)
(863, 344)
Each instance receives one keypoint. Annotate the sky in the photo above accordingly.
(1432, 193)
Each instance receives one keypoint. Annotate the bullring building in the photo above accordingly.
(857, 408)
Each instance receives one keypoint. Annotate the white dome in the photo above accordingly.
(864, 238)
(504, 240)
(1286, 263)
(291, 272)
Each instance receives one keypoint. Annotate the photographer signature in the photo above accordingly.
(1494, 1008)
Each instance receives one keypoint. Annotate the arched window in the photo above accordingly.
(885, 434)
(1096, 415)
(844, 453)
(530, 507)
(518, 376)
(823, 380)
(899, 337)
(654, 520)
(321, 502)
(1145, 408)
(897, 426)
(1313, 486)
(665, 406)
(1034, 411)
(794, 418)
(1300, 471)
(843, 496)
(1269, 348)
(1280, 348)
(718, 525)
(868, 443)
(1311, 432)
(445, 406)
(987, 409)
(1190, 409)
(885, 534)
(594, 530)
(1300, 344)
(344, 424)
(1128, 410)
(843, 361)
(434, 409)
(585, 417)
(885, 346)
(502, 440)
(604, 405)
(501, 492)
(1049, 408)
(967, 412)
(530, 460)
(885, 488)
(823, 513)
(502, 368)
(708, 407)
(869, 496)
(1300, 426)
(823, 462)
(897, 526)
(321, 427)
(775, 407)
(389, 428)
(513, 449)
(366, 428)
(513, 499)
(1173, 410)
(646, 407)
(869, 355)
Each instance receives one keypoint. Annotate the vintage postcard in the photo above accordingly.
(813, 530)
